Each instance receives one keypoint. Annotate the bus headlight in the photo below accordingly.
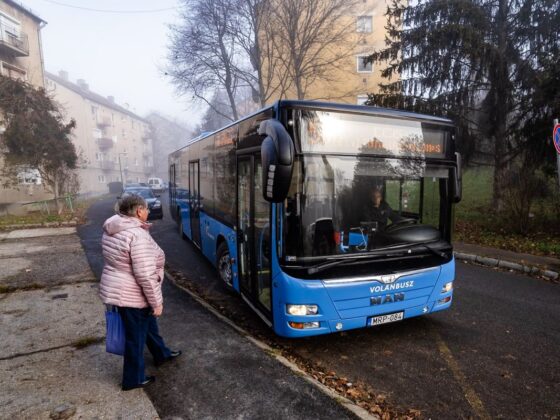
(447, 287)
(304, 325)
(302, 310)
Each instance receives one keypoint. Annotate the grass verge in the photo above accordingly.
(477, 223)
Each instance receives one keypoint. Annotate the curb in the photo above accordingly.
(345, 402)
(508, 265)
(39, 225)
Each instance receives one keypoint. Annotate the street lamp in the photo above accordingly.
(120, 167)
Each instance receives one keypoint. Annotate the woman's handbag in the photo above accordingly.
(114, 342)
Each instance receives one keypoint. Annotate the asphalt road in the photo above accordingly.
(493, 355)
(221, 374)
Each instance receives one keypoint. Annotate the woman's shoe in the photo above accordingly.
(145, 383)
(172, 355)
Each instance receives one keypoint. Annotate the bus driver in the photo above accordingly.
(378, 210)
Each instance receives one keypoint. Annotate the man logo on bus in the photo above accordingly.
(379, 300)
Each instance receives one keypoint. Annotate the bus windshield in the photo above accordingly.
(341, 205)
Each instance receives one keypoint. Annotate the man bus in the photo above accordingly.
(286, 204)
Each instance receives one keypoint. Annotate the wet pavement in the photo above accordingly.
(221, 374)
(493, 355)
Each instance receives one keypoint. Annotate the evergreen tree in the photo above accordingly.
(487, 64)
(35, 137)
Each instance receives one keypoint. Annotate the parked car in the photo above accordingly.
(156, 184)
(153, 201)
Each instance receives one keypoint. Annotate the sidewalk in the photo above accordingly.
(548, 267)
(53, 363)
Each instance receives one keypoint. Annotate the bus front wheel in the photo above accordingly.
(224, 265)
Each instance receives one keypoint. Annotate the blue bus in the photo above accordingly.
(324, 217)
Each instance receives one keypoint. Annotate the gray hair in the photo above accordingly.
(129, 203)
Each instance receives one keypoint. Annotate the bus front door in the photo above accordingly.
(194, 202)
(253, 226)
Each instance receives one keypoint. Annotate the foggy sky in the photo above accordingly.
(118, 54)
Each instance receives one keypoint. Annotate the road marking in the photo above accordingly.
(470, 394)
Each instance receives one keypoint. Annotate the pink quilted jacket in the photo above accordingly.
(133, 269)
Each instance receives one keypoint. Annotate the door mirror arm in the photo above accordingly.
(457, 182)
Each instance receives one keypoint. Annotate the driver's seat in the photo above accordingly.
(323, 237)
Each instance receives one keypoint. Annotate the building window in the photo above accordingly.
(13, 72)
(97, 133)
(363, 66)
(364, 24)
(135, 162)
(99, 156)
(94, 111)
(101, 179)
(361, 99)
(29, 177)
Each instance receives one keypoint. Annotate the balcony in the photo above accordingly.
(107, 165)
(104, 122)
(146, 139)
(105, 143)
(13, 42)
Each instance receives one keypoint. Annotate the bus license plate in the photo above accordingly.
(385, 319)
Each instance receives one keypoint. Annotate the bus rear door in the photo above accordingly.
(194, 202)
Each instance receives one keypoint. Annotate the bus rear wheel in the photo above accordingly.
(224, 265)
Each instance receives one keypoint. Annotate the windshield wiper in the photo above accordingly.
(359, 259)
(434, 251)
(404, 252)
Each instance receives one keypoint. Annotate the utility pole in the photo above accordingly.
(120, 168)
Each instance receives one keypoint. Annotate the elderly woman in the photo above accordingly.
(131, 280)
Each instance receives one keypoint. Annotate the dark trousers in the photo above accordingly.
(140, 328)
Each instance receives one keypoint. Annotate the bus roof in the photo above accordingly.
(331, 106)
(364, 109)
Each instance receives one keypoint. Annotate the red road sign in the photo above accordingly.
(556, 137)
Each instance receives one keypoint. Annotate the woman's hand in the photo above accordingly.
(157, 311)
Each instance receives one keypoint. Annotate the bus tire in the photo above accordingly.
(223, 263)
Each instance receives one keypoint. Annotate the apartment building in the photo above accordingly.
(113, 143)
(168, 135)
(351, 80)
(21, 57)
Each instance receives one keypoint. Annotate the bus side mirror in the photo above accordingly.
(277, 156)
(458, 179)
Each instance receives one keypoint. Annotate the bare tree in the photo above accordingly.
(203, 56)
(256, 37)
(313, 38)
(270, 47)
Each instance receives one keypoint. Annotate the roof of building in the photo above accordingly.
(92, 96)
(26, 9)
